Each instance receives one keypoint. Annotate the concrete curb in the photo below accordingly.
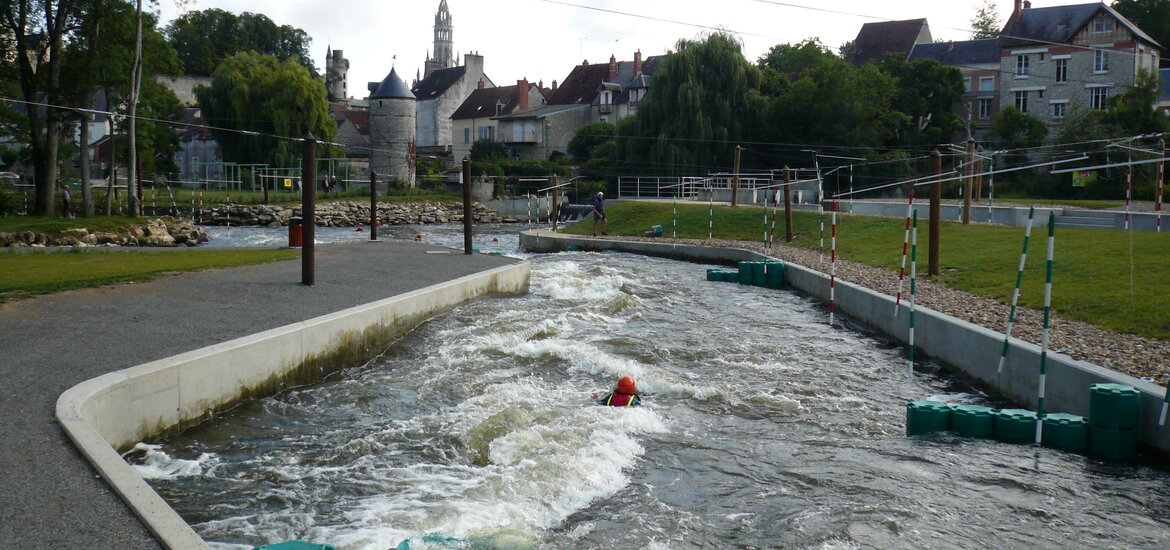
(116, 410)
(968, 349)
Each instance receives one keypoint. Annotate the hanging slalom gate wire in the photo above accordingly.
(905, 243)
(1158, 199)
(913, 287)
(1016, 293)
(710, 211)
(229, 210)
(1128, 189)
(833, 268)
(1047, 317)
(990, 187)
(775, 214)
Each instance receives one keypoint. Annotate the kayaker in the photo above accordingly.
(625, 395)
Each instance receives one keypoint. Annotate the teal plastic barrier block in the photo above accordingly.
(295, 545)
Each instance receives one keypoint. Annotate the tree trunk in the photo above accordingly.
(135, 84)
(83, 148)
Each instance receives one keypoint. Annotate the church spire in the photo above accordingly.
(444, 40)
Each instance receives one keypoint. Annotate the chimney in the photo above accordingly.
(1016, 10)
(638, 62)
(554, 87)
(480, 85)
(1027, 4)
(522, 94)
(612, 69)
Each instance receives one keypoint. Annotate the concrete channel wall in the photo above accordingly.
(114, 411)
(970, 350)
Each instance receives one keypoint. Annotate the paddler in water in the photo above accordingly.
(626, 394)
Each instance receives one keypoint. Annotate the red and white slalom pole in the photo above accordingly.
(905, 244)
(833, 267)
(1158, 204)
(229, 210)
(1128, 189)
(200, 207)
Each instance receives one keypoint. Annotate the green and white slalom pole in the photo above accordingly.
(990, 187)
(913, 286)
(1165, 403)
(1007, 335)
(674, 219)
(1047, 316)
(710, 211)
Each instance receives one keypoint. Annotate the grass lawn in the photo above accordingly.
(24, 274)
(1113, 279)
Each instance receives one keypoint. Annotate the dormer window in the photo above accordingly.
(605, 98)
(1103, 24)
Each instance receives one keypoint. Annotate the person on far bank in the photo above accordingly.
(65, 201)
(625, 395)
(599, 214)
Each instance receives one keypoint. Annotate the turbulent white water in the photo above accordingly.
(762, 428)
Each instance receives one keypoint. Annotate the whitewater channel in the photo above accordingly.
(763, 427)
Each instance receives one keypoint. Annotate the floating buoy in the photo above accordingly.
(359, 228)
(378, 223)
(418, 237)
(495, 239)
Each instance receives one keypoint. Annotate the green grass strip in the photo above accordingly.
(24, 274)
(981, 259)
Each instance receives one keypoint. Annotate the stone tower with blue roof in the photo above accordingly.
(392, 131)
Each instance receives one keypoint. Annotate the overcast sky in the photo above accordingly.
(542, 40)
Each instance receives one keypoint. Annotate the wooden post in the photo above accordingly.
(935, 212)
(787, 207)
(968, 181)
(373, 205)
(308, 213)
(735, 178)
(467, 205)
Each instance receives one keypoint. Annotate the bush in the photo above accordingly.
(9, 204)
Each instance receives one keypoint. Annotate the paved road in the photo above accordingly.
(49, 495)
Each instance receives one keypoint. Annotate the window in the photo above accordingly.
(1103, 24)
(486, 132)
(1022, 101)
(1059, 110)
(987, 84)
(1022, 65)
(1099, 98)
(1062, 70)
(984, 108)
(967, 84)
(467, 135)
(1100, 61)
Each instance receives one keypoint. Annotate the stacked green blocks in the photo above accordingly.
(769, 273)
(1113, 421)
(295, 545)
(927, 416)
(973, 421)
(1065, 432)
(730, 276)
(1015, 426)
(715, 275)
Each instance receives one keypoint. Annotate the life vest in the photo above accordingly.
(616, 399)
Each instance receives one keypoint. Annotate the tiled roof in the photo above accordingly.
(583, 84)
(968, 52)
(482, 102)
(360, 118)
(875, 40)
(434, 85)
(391, 87)
(1058, 24)
(542, 111)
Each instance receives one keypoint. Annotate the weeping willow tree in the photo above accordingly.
(701, 105)
(253, 97)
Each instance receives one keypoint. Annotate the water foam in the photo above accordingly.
(157, 464)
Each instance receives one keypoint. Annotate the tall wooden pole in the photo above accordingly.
(935, 212)
(968, 181)
(308, 210)
(467, 205)
(787, 207)
(373, 205)
(735, 178)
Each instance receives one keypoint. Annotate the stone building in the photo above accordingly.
(392, 130)
(875, 40)
(475, 119)
(439, 95)
(979, 62)
(336, 67)
(1057, 60)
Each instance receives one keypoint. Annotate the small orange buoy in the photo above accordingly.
(495, 239)
(359, 228)
(379, 224)
(418, 237)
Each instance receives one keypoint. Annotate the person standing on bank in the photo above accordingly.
(599, 214)
(65, 201)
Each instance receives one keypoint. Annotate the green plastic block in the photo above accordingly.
(295, 545)
(973, 421)
(1114, 406)
(1113, 444)
(927, 416)
(1066, 432)
(1015, 426)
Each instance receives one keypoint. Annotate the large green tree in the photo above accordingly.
(985, 23)
(203, 39)
(926, 92)
(1152, 16)
(264, 97)
(702, 104)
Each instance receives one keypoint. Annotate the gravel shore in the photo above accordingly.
(1134, 355)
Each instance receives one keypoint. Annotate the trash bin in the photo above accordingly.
(295, 232)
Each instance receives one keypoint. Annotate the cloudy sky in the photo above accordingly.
(542, 40)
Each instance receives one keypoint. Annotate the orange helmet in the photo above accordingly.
(626, 385)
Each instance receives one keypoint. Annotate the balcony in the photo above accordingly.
(605, 109)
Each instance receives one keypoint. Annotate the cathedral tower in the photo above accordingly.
(444, 40)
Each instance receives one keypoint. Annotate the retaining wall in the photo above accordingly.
(971, 350)
(117, 410)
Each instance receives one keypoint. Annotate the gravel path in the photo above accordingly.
(1134, 355)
